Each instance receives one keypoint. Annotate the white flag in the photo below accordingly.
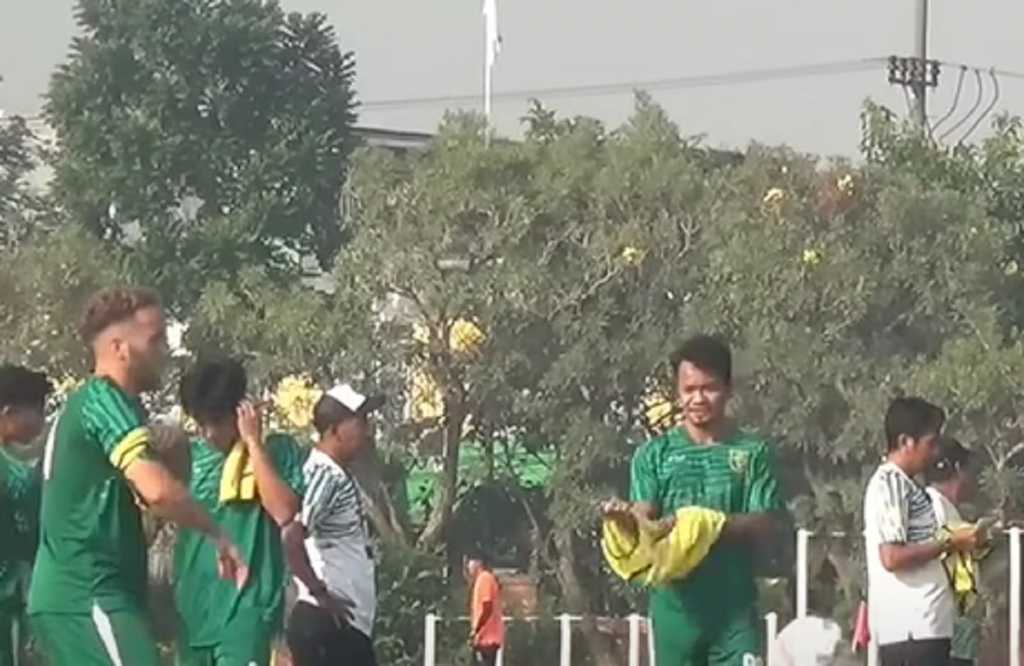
(492, 37)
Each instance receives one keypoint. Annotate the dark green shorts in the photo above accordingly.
(683, 637)
(116, 638)
(11, 631)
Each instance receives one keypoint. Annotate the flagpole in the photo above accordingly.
(492, 44)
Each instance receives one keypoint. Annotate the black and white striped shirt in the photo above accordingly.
(337, 538)
(908, 604)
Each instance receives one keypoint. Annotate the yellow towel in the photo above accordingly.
(962, 569)
(654, 555)
(238, 481)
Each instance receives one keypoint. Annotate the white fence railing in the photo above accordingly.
(803, 537)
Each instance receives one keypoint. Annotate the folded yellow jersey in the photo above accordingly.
(962, 569)
(238, 481)
(654, 555)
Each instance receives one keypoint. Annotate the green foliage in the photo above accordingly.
(45, 283)
(409, 585)
(584, 255)
(21, 209)
(209, 135)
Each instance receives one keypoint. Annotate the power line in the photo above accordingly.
(956, 101)
(700, 81)
(986, 112)
(977, 103)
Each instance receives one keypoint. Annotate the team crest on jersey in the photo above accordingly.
(739, 461)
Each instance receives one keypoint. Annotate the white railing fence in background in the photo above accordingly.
(1013, 534)
(637, 623)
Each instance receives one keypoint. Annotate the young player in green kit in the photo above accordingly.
(87, 597)
(22, 399)
(710, 617)
(252, 486)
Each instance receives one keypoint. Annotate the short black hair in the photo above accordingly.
(213, 388)
(328, 413)
(913, 417)
(953, 457)
(708, 352)
(480, 556)
(21, 387)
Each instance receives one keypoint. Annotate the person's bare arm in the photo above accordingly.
(276, 497)
(900, 557)
(293, 536)
(486, 610)
(168, 498)
(750, 528)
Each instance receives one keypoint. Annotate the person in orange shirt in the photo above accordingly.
(487, 623)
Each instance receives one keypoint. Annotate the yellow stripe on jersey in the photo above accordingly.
(131, 446)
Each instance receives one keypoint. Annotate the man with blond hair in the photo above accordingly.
(87, 598)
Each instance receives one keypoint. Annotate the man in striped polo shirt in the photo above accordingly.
(710, 617)
(87, 599)
(911, 604)
(328, 545)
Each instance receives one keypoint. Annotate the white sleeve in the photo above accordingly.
(891, 508)
(320, 490)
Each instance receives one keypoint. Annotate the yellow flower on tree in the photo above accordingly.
(465, 336)
(774, 197)
(427, 402)
(294, 400)
(658, 410)
(632, 256)
(846, 184)
(812, 257)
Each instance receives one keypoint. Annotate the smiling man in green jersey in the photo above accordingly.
(252, 486)
(87, 598)
(22, 399)
(710, 617)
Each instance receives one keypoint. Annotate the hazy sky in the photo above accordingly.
(416, 48)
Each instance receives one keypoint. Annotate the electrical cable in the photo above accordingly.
(970, 114)
(987, 111)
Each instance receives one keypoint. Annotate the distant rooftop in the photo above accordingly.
(377, 137)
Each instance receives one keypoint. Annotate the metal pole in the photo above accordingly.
(565, 655)
(430, 640)
(1015, 533)
(920, 87)
(802, 538)
(652, 657)
(634, 640)
(771, 621)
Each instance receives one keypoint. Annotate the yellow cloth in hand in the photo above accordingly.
(654, 555)
(238, 480)
(962, 570)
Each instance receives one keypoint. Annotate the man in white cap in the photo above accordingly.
(328, 544)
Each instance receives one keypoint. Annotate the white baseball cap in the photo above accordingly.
(354, 401)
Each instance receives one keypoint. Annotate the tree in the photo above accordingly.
(45, 283)
(208, 135)
(20, 208)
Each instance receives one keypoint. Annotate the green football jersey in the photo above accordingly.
(92, 549)
(736, 476)
(207, 604)
(19, 519)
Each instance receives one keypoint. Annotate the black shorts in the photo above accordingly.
(485, 655)
(934, 652)
(315, 639)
